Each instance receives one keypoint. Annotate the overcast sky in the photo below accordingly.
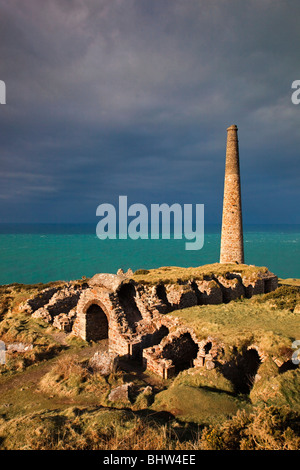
(133, 97)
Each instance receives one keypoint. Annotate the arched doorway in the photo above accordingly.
(126, 296)
(96, 323)
(242, 369)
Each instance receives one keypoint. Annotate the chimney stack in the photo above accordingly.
(232, 243)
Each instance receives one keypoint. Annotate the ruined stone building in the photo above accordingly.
(131, 314)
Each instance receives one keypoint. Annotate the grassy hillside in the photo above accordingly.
(51, 398)
(267, 320)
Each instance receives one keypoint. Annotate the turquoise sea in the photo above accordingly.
(42, 253)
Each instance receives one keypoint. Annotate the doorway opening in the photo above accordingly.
(96, 323)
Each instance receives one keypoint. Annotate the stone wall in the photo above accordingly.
(180, 295)
(132, 315)
(179, 350)
(208, 292)
(115, 318)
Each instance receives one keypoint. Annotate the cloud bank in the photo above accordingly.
(113, 97)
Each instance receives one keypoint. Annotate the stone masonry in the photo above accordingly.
(131, 316)
(232, 245)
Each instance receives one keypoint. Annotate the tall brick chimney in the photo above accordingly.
(232, 243)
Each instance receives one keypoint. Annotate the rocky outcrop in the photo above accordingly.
(121, 393)
(19, 347)
(103, 362)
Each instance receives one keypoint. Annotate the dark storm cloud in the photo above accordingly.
(111, 97)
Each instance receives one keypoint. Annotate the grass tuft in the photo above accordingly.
(173, 274)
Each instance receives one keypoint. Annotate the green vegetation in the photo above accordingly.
(267, 428)
(51, 398)
(289, 282)
(70, 377)
(22, 328)
(243, 322)
(200, 405)
(278, 390)
(171, 274)
(78, 428)
(285, 297)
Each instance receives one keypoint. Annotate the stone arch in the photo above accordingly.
(208, 352)
(181, 350)
(107, 321)
(126, 295)
(207, 347)
(96, 321)
(251, 363)
(160, 291)
(154, 338)
(260, 353)
(241, 370)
